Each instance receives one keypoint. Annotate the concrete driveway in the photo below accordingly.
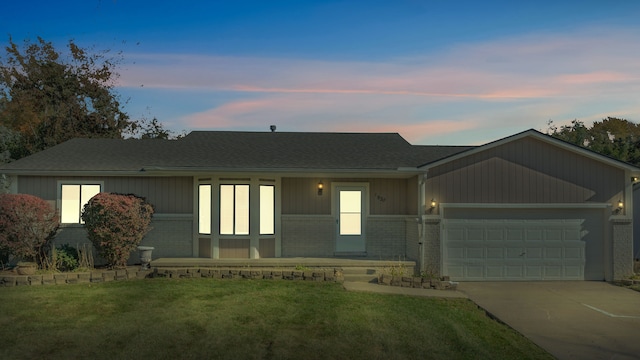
(571, 320)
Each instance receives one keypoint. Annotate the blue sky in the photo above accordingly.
(437, 72)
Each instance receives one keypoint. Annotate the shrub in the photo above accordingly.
(27, 226)
(116, 224)
(66, 257)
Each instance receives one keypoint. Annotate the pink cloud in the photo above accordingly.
(515, 82)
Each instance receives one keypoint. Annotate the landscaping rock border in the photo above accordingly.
(98, 276)
(443, 283)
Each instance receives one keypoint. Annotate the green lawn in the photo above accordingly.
(262, 319)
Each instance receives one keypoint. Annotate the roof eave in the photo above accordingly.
(540, 136)
(189, 171)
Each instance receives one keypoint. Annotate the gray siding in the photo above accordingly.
(525, 171)
(169, 195)
(171, 237)
(386, 196)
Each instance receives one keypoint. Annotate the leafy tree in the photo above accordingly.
(11, 145)
(116, 225)
(614, 137)
(151, 129)
(49, 97)
(28, 224)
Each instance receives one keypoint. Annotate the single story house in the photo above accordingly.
(525, 207)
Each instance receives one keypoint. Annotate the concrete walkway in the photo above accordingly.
(571, 320)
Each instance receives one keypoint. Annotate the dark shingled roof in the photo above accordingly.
(238, 150)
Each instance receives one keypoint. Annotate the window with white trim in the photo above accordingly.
(267, 210)
(204, 209)
(234, 209)
(73, 197)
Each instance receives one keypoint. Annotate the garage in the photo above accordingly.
(494, 244)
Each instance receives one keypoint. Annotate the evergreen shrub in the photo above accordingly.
(116, 224)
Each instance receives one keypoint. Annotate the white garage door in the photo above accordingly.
(505, 249)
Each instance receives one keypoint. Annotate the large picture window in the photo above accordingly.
(234, 209)
(73, 198)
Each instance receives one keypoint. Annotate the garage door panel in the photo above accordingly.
(475, 234)
(552, 272)
(494, 253)
(494, 234)
(553, 253)
(513, 271)
(513, 253)
(533, 272)
(534, 234)
(515, 234)
(474, 254)
(574, 252)
(475, 271)
(455, 272)
(455, 234)
(553, 235)
(572, 235)
(495, 271)
(533, 253)
(523, 249)
(455, 253)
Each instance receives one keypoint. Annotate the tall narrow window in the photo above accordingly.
(234, 209)
(73, 198)
(267, 209)
(204, 209)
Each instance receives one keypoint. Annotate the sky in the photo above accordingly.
(437, 72)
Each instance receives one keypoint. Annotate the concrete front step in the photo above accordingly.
(360, 270)
(361, 278)
(362, 274)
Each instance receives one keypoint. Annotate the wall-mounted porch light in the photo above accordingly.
(320, 188)
(634, 179)
(618, 210)
(433, 203)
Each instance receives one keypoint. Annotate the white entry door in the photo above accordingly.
(350, 219)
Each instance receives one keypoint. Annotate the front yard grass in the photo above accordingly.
(226, 319)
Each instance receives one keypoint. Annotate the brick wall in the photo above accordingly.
(386, 238)
(314, 236)
(432, 245)
(622, 251)
(309, 235)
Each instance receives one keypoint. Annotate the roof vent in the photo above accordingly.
(273, 128)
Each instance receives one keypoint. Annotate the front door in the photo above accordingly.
(350, 219)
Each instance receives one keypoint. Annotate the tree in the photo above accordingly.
(613, 137)
(11, 145)
(49, 97)
(151, 129)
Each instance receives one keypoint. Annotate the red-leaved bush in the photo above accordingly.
(27, 226)
(116, 224)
